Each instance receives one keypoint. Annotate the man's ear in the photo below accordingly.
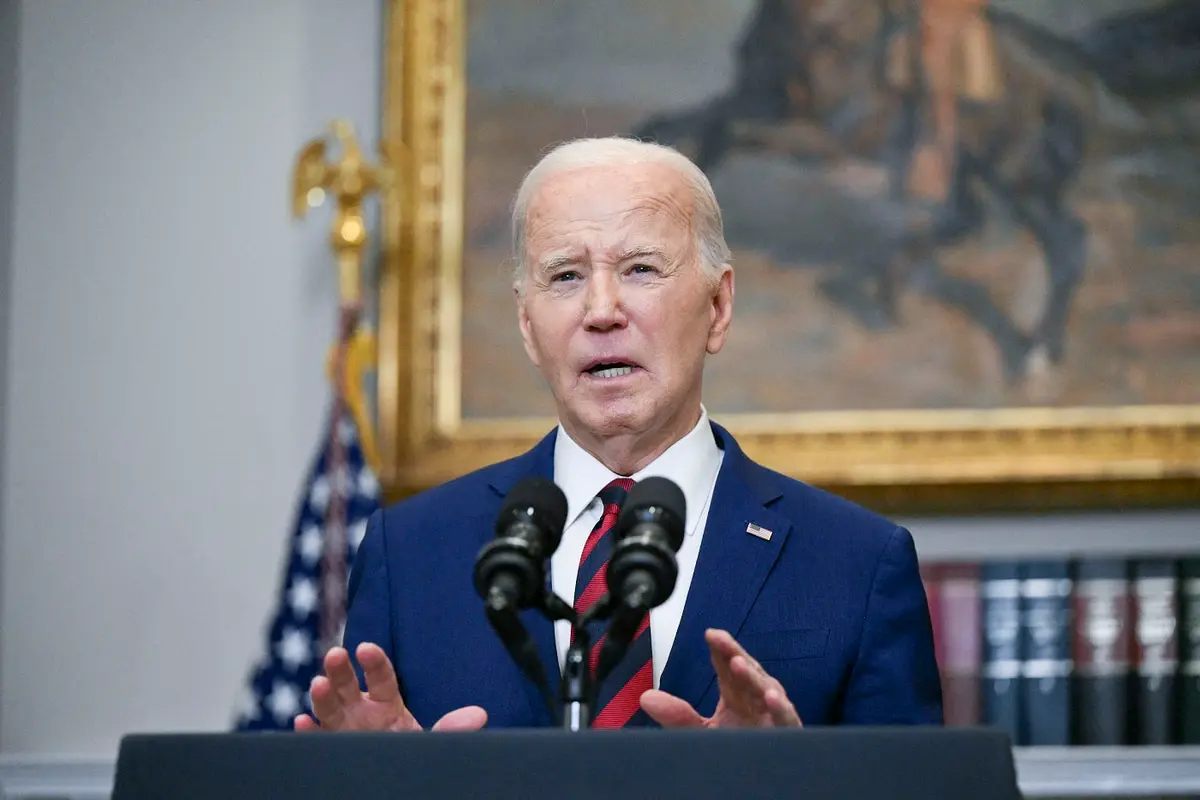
(721, 310)
(526, 326)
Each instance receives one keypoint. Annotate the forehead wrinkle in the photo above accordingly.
(656, 210)
(671, 205)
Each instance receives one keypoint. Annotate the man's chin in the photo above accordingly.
(612, 418)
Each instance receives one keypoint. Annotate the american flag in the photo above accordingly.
(310, 611)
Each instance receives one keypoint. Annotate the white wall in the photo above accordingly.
(8, 104)
(168, 327)
(167, 324)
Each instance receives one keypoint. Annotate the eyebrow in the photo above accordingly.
(642, 252)
(551, 263)
(555, 262)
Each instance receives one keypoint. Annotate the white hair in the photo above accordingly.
(621, 151)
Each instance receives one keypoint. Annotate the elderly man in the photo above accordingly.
(792, 606)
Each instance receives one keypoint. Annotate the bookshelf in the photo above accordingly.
(1132, 770)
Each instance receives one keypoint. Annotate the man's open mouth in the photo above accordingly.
(610, 369)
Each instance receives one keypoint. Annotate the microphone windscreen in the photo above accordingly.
(540, 499)
(659, 499)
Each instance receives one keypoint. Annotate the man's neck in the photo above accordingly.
(628, 453)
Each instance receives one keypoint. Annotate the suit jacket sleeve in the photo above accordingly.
(368, 599)
(895, 678)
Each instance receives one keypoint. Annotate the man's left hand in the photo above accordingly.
(750, 698)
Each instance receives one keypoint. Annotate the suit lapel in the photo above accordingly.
(538, 462)
(730, 569)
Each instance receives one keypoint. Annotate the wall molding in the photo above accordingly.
(46, 777)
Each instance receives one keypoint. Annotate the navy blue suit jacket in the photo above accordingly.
(832, 605)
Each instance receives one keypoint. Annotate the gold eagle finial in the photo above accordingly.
(350, 180)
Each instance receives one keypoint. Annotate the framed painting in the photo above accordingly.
(965, 233)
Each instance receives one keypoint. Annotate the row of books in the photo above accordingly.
(1088, 651)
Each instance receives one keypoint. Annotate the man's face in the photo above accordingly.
(618, 311)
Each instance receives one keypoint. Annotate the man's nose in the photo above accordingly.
(603, 302)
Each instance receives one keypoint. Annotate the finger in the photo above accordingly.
(468, 718)
(726, 649)
(670, 711)
(342, 677)
(723, 643)
(722, 649)
(304, 723)
(381, 676)
(327, 706)
(721, 639)
(750, 674)
(764, 694)
(741, 679)
(729, 648)
(748, 687)
(782, 712)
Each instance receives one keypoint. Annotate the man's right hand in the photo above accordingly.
(340, 705)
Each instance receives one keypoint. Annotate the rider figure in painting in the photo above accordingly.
(956, 100)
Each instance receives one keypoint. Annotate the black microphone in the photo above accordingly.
(642, 569)
(510, 570)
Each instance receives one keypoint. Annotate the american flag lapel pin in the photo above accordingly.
(755, 530)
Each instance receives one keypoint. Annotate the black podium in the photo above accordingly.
(816, 764)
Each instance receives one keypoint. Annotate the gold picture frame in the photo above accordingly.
(902, 461)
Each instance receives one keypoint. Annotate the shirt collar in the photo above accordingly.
(692, 463)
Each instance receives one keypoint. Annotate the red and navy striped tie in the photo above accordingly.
(617, 704)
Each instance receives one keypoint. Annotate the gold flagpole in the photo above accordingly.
(350, 179)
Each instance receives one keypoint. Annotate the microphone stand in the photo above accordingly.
(578, 687)
(502, 616)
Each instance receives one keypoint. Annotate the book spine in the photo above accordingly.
(1046, 666)
(1189, 631)
(961, 643)
(1103, 652)
(1000, 591)
(1157, 650)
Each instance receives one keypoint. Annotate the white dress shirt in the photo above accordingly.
(693, 463)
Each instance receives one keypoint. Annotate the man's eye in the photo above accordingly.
(643, 269)
(560, 277)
